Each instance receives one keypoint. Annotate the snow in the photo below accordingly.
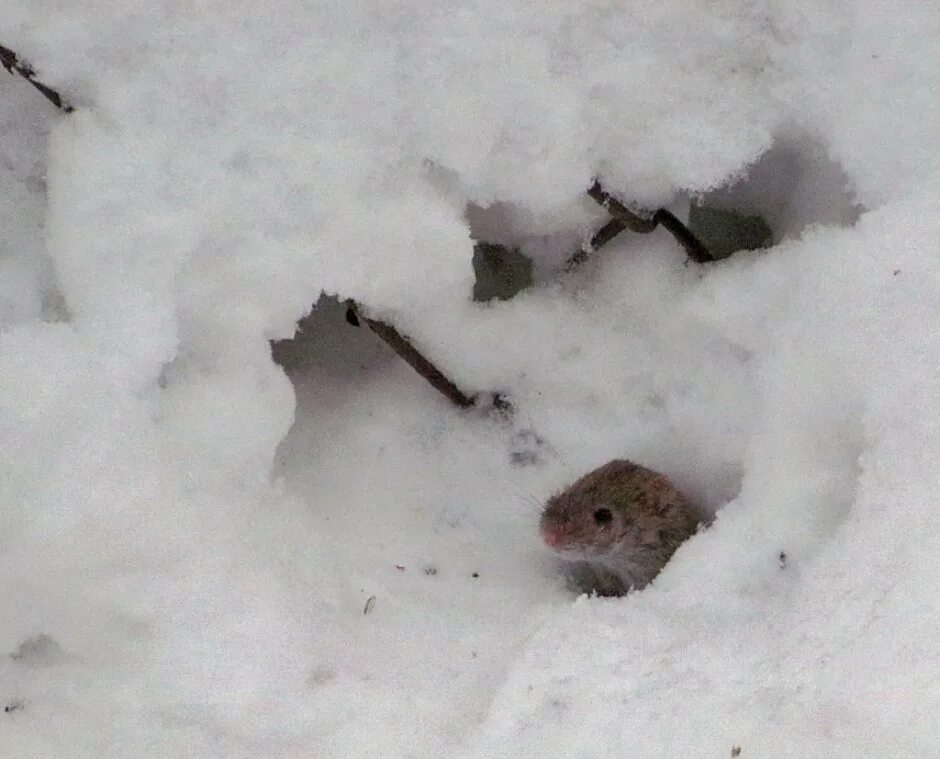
(208, 553)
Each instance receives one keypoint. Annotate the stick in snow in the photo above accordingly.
(624, 218)
(416, 360)
(10, 61)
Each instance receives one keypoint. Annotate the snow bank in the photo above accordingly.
(201, 539)
(829, 654)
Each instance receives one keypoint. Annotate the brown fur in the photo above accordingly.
(624, 547)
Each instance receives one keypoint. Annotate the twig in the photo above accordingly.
(413, 357)
(624, 218)
(10, 61)
(600, 238)
(693, 246)
(620, 212)
(418, 362)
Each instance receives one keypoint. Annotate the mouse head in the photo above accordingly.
(579, 528)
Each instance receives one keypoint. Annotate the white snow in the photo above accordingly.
(231, 557)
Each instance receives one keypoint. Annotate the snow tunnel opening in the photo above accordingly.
(794, 185)
(512, 250)
(326, 342)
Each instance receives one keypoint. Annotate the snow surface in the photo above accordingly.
(211, 554)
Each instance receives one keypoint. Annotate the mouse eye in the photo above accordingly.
(603, 516)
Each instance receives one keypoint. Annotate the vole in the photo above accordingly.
(619, 524)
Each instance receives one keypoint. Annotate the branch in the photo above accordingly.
(619, 211)
(600, 238)
(416, 360)
(10, 61)
(626, 219)
(693, 246)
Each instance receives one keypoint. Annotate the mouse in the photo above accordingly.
(617, 526)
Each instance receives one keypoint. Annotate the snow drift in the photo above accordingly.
(191, 534)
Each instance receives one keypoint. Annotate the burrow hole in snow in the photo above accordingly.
(793, 185)
(325, 342)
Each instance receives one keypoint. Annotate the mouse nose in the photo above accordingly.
(551, 537)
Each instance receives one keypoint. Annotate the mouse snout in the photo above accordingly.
(555, 535)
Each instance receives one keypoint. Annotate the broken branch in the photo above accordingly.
(600, 238)
(12, 63)
(626, 219)
(416, 360)
(693, 246)
(620, 212)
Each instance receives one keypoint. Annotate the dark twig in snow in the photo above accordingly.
(693, 246)
(414, 358)
(600, 238)
(620, 212)
(10, 61)
(624, 218)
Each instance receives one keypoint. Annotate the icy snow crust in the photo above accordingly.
(200, 532)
